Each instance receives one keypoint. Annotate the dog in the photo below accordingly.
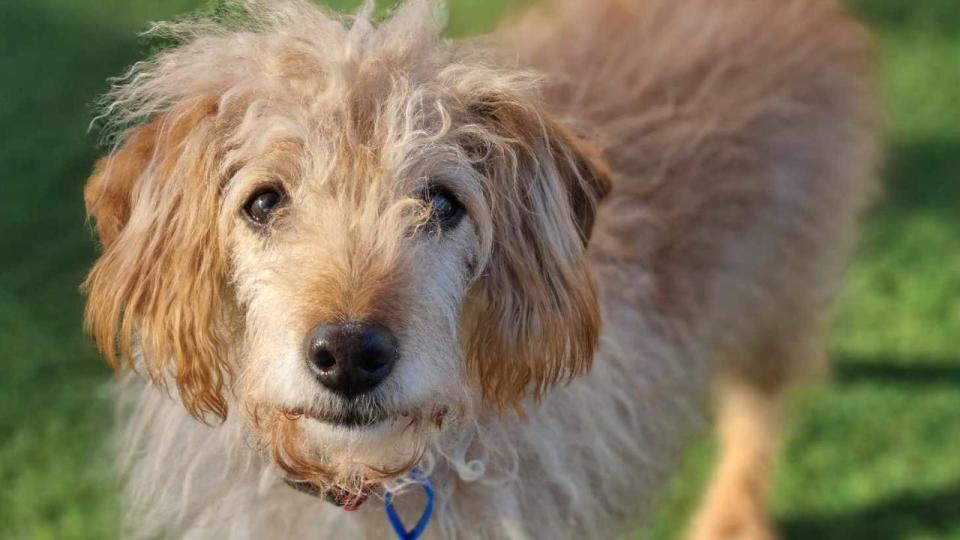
(343, 254)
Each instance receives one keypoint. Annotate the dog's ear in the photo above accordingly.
(533, 317)
(155, 292)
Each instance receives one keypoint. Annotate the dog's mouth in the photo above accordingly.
(351, 418)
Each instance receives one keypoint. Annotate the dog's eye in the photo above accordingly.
(259, 206)
(446, 210)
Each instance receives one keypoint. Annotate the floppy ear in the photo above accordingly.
(157, 287)
(533, 317)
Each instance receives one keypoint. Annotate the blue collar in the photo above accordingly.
(416, 477)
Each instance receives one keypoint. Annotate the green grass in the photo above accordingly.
(873, 455)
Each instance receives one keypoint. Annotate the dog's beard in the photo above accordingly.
(334, 457)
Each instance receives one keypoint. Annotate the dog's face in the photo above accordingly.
(357, 247)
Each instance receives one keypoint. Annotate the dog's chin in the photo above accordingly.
(365, 429)
(348, 448)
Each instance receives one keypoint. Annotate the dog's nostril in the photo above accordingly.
(353, 358)
(321, 351)
(371, 361)
(376, 348)
(323, 359)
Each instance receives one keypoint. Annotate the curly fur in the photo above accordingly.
(660, 195)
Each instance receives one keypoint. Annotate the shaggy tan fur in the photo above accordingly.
(658, 195)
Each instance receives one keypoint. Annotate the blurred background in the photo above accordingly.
(874, 454)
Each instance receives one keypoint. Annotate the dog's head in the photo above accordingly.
(357, 235)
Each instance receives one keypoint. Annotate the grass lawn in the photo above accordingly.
(873, 455)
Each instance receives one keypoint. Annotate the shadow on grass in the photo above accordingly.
(58, 62)
(923, 176)
(937, 16)
(891, 370)
(904, 516)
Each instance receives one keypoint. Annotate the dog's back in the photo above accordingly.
(742, 135)
(743, 129)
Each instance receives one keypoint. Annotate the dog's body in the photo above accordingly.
(732, 146)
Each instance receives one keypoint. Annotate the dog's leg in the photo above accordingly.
(748, 425)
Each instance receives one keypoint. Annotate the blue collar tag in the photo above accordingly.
(416, 477)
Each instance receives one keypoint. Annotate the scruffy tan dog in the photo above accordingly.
(519, 264)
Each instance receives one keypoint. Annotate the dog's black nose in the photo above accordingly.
(351, 359)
